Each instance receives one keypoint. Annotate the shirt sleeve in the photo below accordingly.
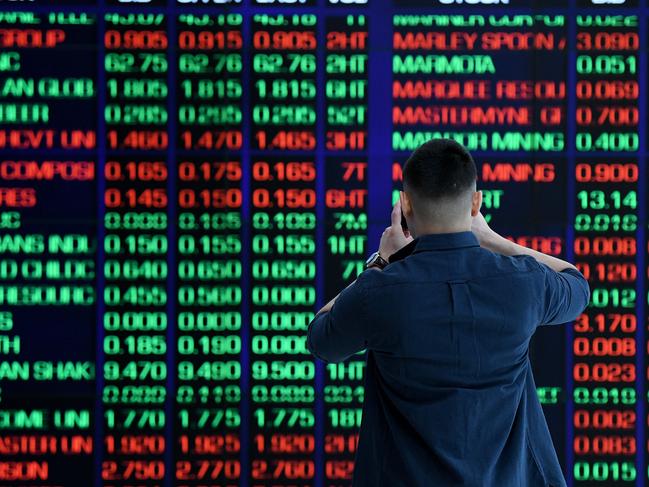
(337, 334)
(566, 295)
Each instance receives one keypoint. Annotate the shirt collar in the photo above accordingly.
(436, 241)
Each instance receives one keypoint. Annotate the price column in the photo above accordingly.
(135, 246)
(605, 248)
(208, 349)
(346, 91)
(283, 180)
(283, 85)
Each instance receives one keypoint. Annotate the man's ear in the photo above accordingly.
(406, 203)
(476, 203)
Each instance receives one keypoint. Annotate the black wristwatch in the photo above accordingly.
(375, 260)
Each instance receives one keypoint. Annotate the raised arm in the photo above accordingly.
(564, 292)
(496, 243)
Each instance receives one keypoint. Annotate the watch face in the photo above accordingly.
(376, 260)
(372, 258)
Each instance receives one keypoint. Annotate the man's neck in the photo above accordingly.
(435, 229)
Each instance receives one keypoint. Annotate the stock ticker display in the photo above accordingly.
(184, 184)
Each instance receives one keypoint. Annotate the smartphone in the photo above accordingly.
(404, 223)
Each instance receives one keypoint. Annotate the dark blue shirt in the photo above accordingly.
(449, 393)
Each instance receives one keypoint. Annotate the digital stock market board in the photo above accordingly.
(183, 184)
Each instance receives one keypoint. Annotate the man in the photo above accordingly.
(449, 393)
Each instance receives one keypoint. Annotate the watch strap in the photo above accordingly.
(376, 261)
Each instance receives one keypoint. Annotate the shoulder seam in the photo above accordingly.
(443, 281)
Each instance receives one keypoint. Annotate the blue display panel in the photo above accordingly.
(184, 184)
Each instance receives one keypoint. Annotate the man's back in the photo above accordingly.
(450, 398)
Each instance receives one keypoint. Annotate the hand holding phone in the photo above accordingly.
(394, 237)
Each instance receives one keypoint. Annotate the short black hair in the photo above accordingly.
(440, 168)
